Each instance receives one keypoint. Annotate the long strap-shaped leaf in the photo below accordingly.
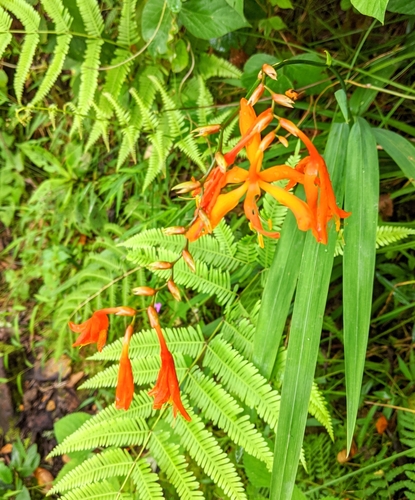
(361, 198)
(310, 301)
(278, 293)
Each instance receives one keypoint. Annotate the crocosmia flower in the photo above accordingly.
(167, 388)
(125, 385)
(94, 330)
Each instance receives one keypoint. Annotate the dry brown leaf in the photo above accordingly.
(381, 424)
(44, 478)
(7, 448)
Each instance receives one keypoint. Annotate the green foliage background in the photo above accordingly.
(97, 101)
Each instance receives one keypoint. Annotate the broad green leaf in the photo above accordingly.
(341, 99)
(210, 18)
(270, 24)
(277, 296)
(302, 75)
(150, 21)
(181, 57)
(402, 7)
(237, 5)
(282, 4)
(372, 8)
(67, 425)
(304, 337)
(361, 198)
(399, 149)
(5, 474)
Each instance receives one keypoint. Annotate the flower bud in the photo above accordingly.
(187, 257)
(256, 95)
(169, 231)
(159, 265)
(282, 100)
(186, 187)
(205, 219)
(289, 126)
(171, 285)
(153, 317)
(207, 130)
(125, 311)
(283, 140)
(292, 94)
(269, 71)
(144, 290)
(220, 160)
(266, 141)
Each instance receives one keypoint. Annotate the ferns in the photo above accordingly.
(30, 20)
(5, 36)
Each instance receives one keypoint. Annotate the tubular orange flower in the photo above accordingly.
(206, 130)
(95, 329)
(167, 388)
(125, 385)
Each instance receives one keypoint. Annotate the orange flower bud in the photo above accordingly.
(256, 95)
(160, 264)
(125, 311)
(144, 290)
(187, 257)
(169, 231)
(269, 71)
(205, 219)
(283, 140)
(171, 285)
(292, 94)
(282, 100)
(186, 187)
(266, 141)
(207, 130)
(220, 160)
(153, 317)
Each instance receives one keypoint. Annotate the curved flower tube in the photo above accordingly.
(95, 329)
(167, 388)
(125, 385)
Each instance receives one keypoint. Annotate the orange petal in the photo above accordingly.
(225, 203)
(280, 172)
(236, 175)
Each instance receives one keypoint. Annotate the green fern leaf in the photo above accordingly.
(63, 21)
(130, 137)
(240, 335)
(243, 379)
(188, 341)
(150, 122)
(204, 449)
(204, 103)
(223, 410)
(318, 408)
(91, 16)
(188, 146)
(97, 491)
(145, 371)
(174, 465)
(174, 116)
(148, 487)
(109, 463)
(5, 36)
(157, 163)
(211, 65)
(30, 20)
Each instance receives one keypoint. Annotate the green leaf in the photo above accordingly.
(399, 149)
(237, 5)
(271, 23)
(210, 18)
(152, 13)
(282, 4)
(278, 293)
(181, 57)
(362, 196)
(341, 99)
(304, 338)
(65, 426)
(257, 474)
(402, 7)
(306, 75)
(372, 8)
(5, 474)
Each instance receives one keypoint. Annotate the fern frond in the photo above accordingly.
(211, 65)
(174, 465)
(97, 491)
(150, 121)
(226, 238)
(145, 370)
(318, 408)
(406, 428)
(174, 116)
(30, 20)
(205, 450)
(122, 114)
(5, 35)
(62, 19)
(188, 146)
(204, 101)
(385, 235)
(188, 341)
(243, 379)
(127, 29)
(240, 335)
(157, 162)
(148, 487)
(141, 408)
(130, 137)
(109, 463)
(223, 410)
(91, 16)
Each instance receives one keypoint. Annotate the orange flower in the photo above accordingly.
(125, 386)
(254, 180)
(321, 202)
(167, 388)
(95, 329)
